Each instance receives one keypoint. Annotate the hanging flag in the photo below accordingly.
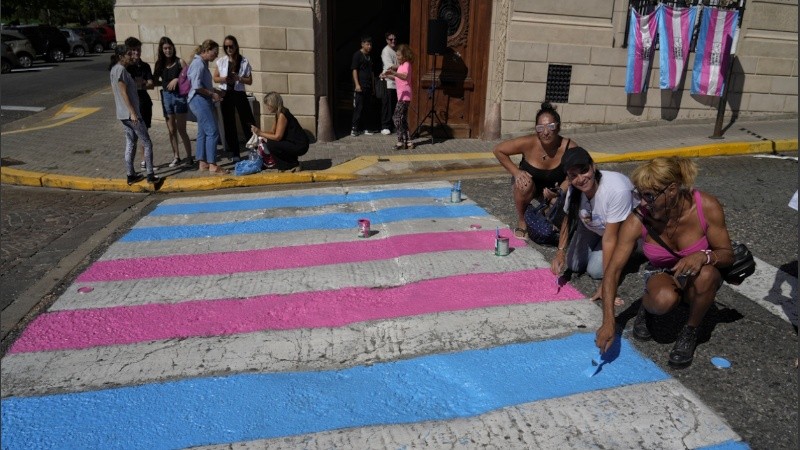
(641, 37)
(675, 27)
(715, 45)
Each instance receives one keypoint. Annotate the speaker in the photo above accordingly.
(437, 37)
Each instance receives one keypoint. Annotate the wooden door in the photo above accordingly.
(460, 73)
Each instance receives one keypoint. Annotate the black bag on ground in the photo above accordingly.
(544, 223)
(743, 265)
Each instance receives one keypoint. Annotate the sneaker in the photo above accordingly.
(152, 178)
(386, 132)
(682, 353)
(270, 163)
(354, 133)
(175, 162)
(136, 177)
(368, 133)
(143, 165)
(640, 330)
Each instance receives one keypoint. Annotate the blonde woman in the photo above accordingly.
(202, 98)
(287, 140)
(401, 75)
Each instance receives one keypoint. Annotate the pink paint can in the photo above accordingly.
(363, 228)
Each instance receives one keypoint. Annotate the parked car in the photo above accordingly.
(78, 46)
(10, 60)
(47, 40)
(21, 46)
(96, 42)
(108, 33)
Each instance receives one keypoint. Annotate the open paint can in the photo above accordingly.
(363, 228)
(501, 246)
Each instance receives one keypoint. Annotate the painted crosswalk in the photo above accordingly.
(262, 320)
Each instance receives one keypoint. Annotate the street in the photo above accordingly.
(410, 307)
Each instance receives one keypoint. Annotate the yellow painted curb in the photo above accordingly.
(18, 177)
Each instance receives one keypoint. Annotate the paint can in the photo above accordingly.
(363, 228)
(455, 195)
(501, 246)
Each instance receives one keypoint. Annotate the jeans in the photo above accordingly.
(585, 253)
(207, 132)
(134, 132)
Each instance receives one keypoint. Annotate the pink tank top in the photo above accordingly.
(661, 257)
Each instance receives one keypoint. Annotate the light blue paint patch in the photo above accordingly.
(284, 224)
(300, 201)
(727, 445)
(245, 407)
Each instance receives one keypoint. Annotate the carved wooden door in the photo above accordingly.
(460, 73)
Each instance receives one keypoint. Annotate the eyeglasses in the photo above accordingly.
(579, 170)
(550, 126)
(648, 197)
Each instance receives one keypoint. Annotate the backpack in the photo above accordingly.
(184, 85)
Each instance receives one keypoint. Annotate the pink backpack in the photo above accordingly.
(184, 85)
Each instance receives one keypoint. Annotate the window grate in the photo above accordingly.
(558, 80)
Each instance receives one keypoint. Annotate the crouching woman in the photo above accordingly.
(287, 140)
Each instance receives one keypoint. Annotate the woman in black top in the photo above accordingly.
(287, 140)
(175, 106)
(540, 172)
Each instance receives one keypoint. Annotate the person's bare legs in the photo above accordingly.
(522, 198)
(180, 125)
(173, 135)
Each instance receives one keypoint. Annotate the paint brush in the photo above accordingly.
(597, 362)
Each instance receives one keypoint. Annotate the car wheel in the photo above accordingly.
(26, 61)
(98, 48)
(57, 55)
(79, 51)
(6, 67)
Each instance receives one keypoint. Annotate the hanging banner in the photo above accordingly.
(675, 27)
(641, 37)
(715, 44)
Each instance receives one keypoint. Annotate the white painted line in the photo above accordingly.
(23, 108)
(793, 158)
(773, 289)
(33, 69)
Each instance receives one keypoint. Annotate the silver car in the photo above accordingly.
(21, 46)
(77, 45)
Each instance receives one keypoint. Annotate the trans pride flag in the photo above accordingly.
(714, 49)
(675, 26)
(641, 37)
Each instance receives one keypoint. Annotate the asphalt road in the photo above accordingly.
(34, 88)
(757, 396)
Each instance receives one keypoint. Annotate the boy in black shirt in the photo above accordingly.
(143, 76)
(361, 67)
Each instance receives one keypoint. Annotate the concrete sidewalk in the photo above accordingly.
(79, 146)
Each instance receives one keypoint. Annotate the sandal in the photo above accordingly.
(410, 145)
(399, 146)
(219, 171)
(521, 233)
(203, 166)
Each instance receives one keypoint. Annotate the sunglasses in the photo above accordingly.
(549, 126)
(648, 197)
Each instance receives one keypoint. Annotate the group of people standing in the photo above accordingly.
(193, 87)
(396, 61)
(608, 216)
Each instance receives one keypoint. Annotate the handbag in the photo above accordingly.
(743, 265)
(544, 224)
(184, 84)
(380, 88)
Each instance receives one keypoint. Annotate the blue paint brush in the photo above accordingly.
(594, 368)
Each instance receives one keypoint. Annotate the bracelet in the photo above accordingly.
(708, 256)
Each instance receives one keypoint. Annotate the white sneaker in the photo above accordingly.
(368, 133)
(175, 162)
(354, 133)
(143, 165)
(386, 132)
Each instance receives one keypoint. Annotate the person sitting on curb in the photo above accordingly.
(692, 224)
(596, 205)
(540, 172)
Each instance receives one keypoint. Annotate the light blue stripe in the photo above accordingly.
(257, 406)
(284, 224)
(301, 201)
(727, 445)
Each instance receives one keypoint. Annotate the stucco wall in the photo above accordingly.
(588, 34)
(277, 37)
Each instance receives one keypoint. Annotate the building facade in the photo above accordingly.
(502, 58)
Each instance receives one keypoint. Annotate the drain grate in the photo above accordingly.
(558, 80)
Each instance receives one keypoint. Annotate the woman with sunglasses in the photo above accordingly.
(596, 205)
(540, 174)
(692, 224)
(232, 72)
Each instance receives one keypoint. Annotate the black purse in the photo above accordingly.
(743, 265)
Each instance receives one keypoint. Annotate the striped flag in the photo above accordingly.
(641, 38)
(675, 26)
(715, 46)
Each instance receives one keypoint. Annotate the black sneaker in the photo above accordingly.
(682, 353)
(640, 330)
(135, 178)
(152, 178)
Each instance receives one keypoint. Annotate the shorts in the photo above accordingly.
(172, 103)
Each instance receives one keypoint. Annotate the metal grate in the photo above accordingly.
(558, 79)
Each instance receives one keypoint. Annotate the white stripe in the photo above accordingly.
(22, 108)
(663, 415)
(773, 289)
(292, 350)
(677, 34)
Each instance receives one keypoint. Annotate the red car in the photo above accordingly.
(108, 34)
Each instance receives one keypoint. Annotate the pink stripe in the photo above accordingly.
(637, 55)
(290, 257)
(670, 19)
(62, 330)
(705, 73)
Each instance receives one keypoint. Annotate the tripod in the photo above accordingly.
(432, 114)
